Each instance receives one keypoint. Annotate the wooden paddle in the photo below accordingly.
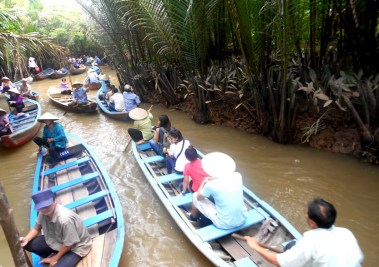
(240, 237)
(69, 77)
(127, 144)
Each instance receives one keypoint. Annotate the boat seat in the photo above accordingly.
(87, 199)
(98, 218)
(20, 123)
(67, 165)
(170, 177)
(245, 262)
(153, 159)
(80, 180)
(211, 232)
(144, 146)
(181, 200)
(22, 118)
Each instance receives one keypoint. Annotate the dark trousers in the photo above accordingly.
(6, 133)
(53, 150)
(18, 106)
(38, 246)
(135, 134)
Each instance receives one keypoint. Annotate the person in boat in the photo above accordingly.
(79, 96)
(53, 136)
(109, 92)
(131, 100)
(65, 90)
(6, 84)
(323, 245)
(32, 65)
(65, 239)
(160, 142)
(92, 76)
(26, 89)
(5, 126)
(16, 101)
(97, 60)
(141, 131)
(96, 68)
(225, 186)
(176, 160)
(116, 101)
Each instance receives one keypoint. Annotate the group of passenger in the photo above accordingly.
(120, 102)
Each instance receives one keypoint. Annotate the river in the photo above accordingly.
(286, 176)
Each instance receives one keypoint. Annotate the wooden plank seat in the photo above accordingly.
(67, 165)
(71, 183)
(245, 262)
(87, 199)
(19, 123)
(211, 232)
(170, 177)
(144, 146)
(98, 218)
(181, 200)
(153, 159)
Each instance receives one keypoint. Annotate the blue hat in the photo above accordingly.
(43, 198)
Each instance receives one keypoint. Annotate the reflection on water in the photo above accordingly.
(284, 176)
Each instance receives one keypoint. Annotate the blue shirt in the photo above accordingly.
(80, 95)
(131, 101)
(57, 133)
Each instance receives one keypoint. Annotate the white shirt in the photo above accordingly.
(175, 150)
(333, 247)
(118, 100)
(32, 63)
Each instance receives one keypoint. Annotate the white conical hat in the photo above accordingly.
(2, 111)
(218, 164)
(47, 117)
(104, 77)
(138, 114)
(5, 78)
(14, 90)
(77, 82)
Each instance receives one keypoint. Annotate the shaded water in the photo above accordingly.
(284, 176)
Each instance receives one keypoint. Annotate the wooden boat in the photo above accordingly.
(117, 115)
(82, 184)
(29, 81)
(218, 245)
(63, 102)
(91, 86)
(81, 69)
(44, 74)
(24, 127)
(59, 73)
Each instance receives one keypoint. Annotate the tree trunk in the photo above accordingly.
(10, 231)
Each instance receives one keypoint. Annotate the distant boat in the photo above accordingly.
(29, 80)
(82, 184)
(63, 102)
(24, 127)
(44, 74)
(91, 86)
(75, 71)
(117, 115)
(220, 246)
(59, 73)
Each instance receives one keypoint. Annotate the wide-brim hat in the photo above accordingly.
(43, 198)
(104, 77)
(5, 78)
(218, 164)
(14, 90)
(47, 117)
(138, 114)
(2, 111)
(77, 83)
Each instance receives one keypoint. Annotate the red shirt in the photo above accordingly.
(196, 172)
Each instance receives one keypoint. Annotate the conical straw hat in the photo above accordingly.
(47, 117)
(138, 114)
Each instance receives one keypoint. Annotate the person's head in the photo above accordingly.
(127, 88)
(77, 85)
(114, 90)
(64, 80)
(175, 136)
(24, 81)
(138, 114)
(164, 121)
(321, 213)
(218, 164)
(191, 153)
(2, 112)
(13, 91)
(5, 79)
(44, 201)
(47, 118)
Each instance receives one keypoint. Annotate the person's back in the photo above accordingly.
(131, 100)
(118, 101)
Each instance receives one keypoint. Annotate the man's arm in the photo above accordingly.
(32, 234)
(269, 256)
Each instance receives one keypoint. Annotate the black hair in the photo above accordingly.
(191, 153)
(164, 122)
(175, 133)
(114, 90)
(322, 213)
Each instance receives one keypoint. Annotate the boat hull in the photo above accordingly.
(122, 116)
(56, 75)
(80, 70)
(25, 128)
(82, 184)
(44, 74)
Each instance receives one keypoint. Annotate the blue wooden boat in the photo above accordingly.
(44, 74)
(82, 184)
(59, 73)
(221, 247)
(117, 115)
(24, 127)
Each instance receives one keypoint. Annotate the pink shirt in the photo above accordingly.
(196, 172)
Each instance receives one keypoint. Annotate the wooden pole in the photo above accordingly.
(11, 232)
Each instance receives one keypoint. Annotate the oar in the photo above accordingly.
(240, 237)
(127, 144)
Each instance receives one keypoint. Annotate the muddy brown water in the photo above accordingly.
(284, 176)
